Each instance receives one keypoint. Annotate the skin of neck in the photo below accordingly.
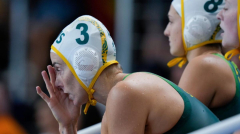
(106, 81)
(202, 51)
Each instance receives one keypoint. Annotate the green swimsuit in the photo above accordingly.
(233, 107)
(195, 115)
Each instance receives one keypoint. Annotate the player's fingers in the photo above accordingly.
(52, 76)
(42, 94)
(48, 83)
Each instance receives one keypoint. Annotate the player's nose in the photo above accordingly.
(219, 15)
(166, 31)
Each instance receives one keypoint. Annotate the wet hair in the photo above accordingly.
(217, 45)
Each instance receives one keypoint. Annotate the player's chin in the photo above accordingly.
(230, 44)
(173, 51)
(75, 102)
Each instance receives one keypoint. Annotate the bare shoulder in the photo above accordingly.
(207, 67)
(140, 79)
(140, 89)
(205, 76)
(207, 62)
(126, 108)
(133, 90)
(127, 90)
(141, 100)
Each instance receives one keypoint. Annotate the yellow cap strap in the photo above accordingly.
(91, 101)
(232, 53)
(181, 60)
(86, 107)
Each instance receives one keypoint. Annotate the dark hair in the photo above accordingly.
(217, 45)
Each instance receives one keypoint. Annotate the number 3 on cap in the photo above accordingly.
(212, 6)
(84, 33)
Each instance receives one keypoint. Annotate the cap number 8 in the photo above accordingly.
(83, 32)
(210, 9)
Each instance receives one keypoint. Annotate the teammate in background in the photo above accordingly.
(230, 24)
(194, 36)
(85, 70)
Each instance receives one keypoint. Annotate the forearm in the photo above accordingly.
(71, 129)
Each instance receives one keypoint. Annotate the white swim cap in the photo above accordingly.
(87, 48)
(200, 25)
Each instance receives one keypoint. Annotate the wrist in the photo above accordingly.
(67, 129)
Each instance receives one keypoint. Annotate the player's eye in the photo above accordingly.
(57, 69)
(170, 21)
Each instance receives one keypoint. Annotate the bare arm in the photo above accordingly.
(126, 111)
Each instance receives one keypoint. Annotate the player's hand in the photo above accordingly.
(63, 109)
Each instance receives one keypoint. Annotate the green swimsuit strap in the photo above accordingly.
(234, 68)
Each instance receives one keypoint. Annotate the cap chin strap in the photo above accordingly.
(91, 100)
(175, 61)
(232, 53)
(90, 91)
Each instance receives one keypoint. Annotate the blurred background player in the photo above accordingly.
(86, 71)
(229, 17)
(194, 36)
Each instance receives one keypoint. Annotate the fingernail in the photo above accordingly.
(36, 89)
